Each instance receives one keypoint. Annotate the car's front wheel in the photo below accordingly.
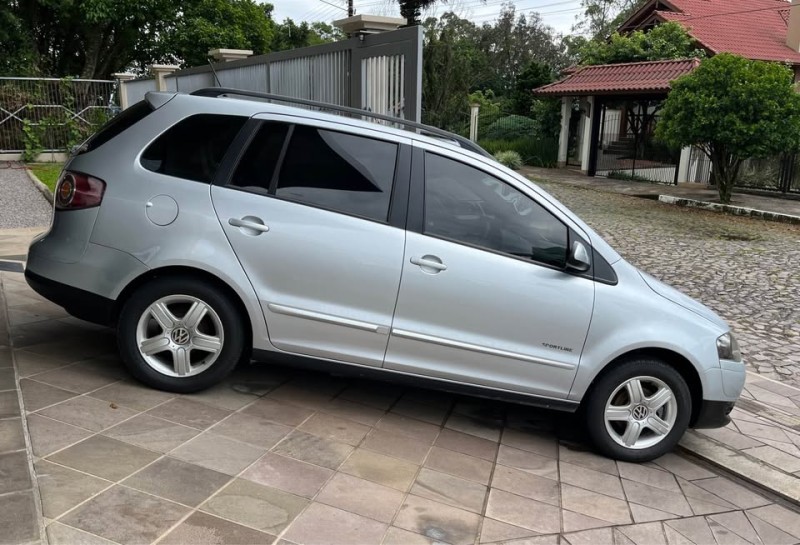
(180, 334)
(639, 410)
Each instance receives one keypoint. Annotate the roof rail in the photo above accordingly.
(419, 128)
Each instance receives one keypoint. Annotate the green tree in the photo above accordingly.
(211, 24)
(733, 109)
(532, 76)
(290, 35)
(665, 41)
(601, 17)
(411, 10)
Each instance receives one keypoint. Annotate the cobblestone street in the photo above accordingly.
(747, 270)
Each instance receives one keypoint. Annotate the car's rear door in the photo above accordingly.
(315, 213)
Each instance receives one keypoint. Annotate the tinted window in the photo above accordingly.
(466, 205)
(194, 148)
(117, 124)
(256, 168)
(342, 172)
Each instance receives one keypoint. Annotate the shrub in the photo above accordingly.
(538, 152)
(511, 127)
(510, 159)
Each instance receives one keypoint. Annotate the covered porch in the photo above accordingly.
(608, 118)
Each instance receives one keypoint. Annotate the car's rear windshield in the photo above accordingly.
(116, 125)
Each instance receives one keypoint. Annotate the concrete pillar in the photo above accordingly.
(122, 89)
(563, 137)
(161, 71)
(474, 111)
(684, 165)
(227, 55)
(587, 109)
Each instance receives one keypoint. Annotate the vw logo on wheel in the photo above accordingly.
(640, 412)
(180, 335)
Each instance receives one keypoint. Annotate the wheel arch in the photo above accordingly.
(675, 360)
(183, 272)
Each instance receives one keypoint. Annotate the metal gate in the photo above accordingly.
(380, 72)
(51, 114)
(626, 145)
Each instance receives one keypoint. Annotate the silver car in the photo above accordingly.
(217, 227)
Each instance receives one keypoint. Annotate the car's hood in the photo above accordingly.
(668, 292)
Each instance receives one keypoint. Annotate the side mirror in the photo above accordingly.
(578, 259)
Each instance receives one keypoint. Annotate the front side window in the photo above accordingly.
(466, 205)
(338, 171)
(193, 149)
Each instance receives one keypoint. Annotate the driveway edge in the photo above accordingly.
(16, 499)
(39, 185)
(729, 209)
(753, 471)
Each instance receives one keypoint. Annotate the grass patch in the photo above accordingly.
(47, 173)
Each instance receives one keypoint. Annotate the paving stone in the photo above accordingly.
(526, 484)
(48, 435)
(126, 516)
(14, 474)
(288, 474)
(421, 411)
(649, 476)
(62, 488)
(775, 457)
(151, 433)
(18, 518)
(529, 462)
(683, 467)
(335, 428)
(81, 377)
(460, 465)
(600, 536)
(523, 512)
(543, 444)
(732, 492)
(61, 534)
(351, 410)
(204, 529)
(416, 429)
(470, 444)
(314, 450)
(656, 498)
(88, 412)
(587, 459)
(177, 481)
(438, 521)
(399, 446)
(36, 395)
(494, 531)
(780, 517)
(29, 363)
(449, 489)
(218, 453)
(132, 395)
(281, 413)
(385, 470)
(327, 525)
(643, 534)
(190, 413)
(104, 457)
(11, 436)
(223, 395)
(487, 429)
(590, 479)
(737, 523)
(261, 507)
(252, 429)
(361, 497)
(595, 505)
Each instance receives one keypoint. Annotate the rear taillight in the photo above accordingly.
(76, 191)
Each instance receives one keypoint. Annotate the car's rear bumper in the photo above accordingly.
(713, 414)
(79, 303)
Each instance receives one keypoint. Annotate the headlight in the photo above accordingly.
(728, 348)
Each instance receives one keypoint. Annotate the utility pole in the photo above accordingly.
(351, 10)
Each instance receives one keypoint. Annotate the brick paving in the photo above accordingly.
(747, 270)
(278, 455)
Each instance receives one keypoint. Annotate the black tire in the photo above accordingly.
(233, 345)
(601, 391)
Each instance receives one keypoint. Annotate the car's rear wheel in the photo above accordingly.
(639, 410)
(180, 334)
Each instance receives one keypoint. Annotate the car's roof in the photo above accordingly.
(254, 106)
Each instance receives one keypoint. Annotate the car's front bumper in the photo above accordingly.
(713, 414)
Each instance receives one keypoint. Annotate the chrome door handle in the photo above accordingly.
(249, 222)
(429, 262)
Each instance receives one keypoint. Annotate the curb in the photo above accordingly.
(40, 186)
(755, 472)
(728, 209)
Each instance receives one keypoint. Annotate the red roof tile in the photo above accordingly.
(755, 29)
(618, 79)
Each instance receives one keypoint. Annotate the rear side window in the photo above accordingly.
(338, 171)
(257, 167)
(193, 149)
(117, 125)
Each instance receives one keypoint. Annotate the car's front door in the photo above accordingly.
(484, 297)
(309, 211)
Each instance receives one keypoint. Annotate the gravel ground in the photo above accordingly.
(21, 205)
(746, 270)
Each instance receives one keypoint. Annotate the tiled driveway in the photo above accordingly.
(279, 455)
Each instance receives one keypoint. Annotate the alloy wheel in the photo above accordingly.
(640, 412)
